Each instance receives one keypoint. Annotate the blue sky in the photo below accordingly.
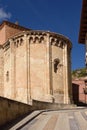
(60, 16)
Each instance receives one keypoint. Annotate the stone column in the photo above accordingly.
(28, 68)
(1, 72)
(48, 69)
(12, 69)
(66, 82)
(69, 75)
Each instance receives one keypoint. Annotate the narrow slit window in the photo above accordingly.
(7, 76)
(56, 62)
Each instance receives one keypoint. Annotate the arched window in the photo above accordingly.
(56, 62)
(21, 41)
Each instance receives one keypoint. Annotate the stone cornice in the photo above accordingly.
(40, 37)
(6, 46)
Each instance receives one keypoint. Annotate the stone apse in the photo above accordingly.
(36, 65)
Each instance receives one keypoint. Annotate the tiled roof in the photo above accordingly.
(14, 25)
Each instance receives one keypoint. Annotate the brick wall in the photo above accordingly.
(8, 31)
(78, 86)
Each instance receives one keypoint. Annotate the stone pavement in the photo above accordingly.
(75, 119)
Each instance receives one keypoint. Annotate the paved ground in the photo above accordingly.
(59, 120)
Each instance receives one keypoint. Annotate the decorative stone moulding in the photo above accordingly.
(41, 37)
(18, 42)
(6, 46)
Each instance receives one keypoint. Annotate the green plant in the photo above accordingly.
(79, 73)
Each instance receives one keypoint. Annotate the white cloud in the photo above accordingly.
(4, 15)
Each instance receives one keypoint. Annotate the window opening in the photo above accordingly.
(56, 62)
(7, 76)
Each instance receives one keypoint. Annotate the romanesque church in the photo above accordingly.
(34, 65)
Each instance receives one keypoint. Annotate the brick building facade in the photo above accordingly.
(78, 91)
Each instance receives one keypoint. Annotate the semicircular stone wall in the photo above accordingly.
(36, 65)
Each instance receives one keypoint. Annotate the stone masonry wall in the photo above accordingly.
(7, 71)
(20, 71)
(1, 72)
(58, 90)
(36, 67)
(11, 110)
(8, 30)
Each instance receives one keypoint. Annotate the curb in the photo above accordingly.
(27, 119)
(34, 114)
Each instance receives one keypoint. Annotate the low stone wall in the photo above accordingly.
(53, 106)
(10, 110)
